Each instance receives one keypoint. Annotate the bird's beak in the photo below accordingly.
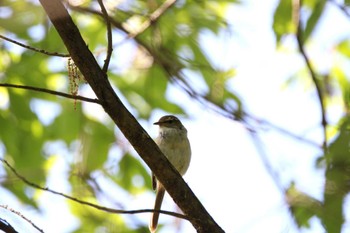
(156, 123)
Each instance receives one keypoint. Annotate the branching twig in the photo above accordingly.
(231, 114)
(152, 18)
(131, 35)
(38, 89)
(265, 123)
(22, 216)
(103, 208)
(34, 49)
(266, 162)
(109, 36)
(342, 7)
(318, 87)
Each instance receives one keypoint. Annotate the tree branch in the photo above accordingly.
(152, 18)
(109, 36)
(6, 227)
(318, 87)
(34, 49)
(102, 208)
(38, 89)
(137, 136)
(266, 162)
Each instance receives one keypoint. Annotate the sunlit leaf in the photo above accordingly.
(283, 23)
(344, 48)
(96, 139)
(337, 179)
(131, 169)
(312, 21)
(302, 206)
(344, 84)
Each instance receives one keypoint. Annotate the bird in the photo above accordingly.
(173, 142)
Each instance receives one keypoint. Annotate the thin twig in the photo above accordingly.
(342, 7)
(38, 89)
(152, 18)
(131, 35)
(265, 160)
(265, 123)
(205, 102)
(102, 208)
(109, 36)
(22, 216)
(318, 87)
(34, 49)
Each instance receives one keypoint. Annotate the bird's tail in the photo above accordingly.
(158, 203)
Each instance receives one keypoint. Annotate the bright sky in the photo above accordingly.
(226, 171)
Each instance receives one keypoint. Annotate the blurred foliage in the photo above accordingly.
(158, 57)
(336, 159)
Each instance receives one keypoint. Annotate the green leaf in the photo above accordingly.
(337, 179)
(302, 206)
(344, 48)
(132, 174)
(68, 124)
(344, 84)
(23, 15)
(283, 19)
(313, 19)
(96, 140)
(93, 220)
(22, 135)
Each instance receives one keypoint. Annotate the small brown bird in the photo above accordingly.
(173, 142)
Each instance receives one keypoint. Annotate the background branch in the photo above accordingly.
(152, 18)
(317, 84)
(341, 7)
(109, 36)
(34, 49)
(38, 89)
(103, 208)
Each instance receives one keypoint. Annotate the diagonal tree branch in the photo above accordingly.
(6, 227)
(137, 136)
